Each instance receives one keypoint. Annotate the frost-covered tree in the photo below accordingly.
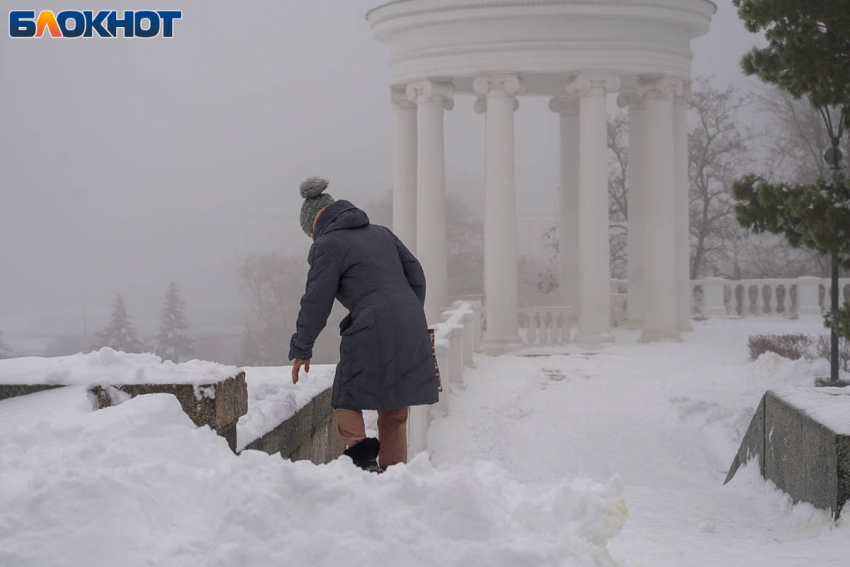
(172, 341)
(718, 150)
(120, 334)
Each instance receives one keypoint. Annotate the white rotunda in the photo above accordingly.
(576, 52)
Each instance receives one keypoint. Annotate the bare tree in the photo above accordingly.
(272, 283)
(465, 238)
(797, 138)
(618, 207)
(718, 148)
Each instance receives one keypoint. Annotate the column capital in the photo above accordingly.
(685, 93)
(498, 86)
(398, 98)
(591, 84)
(631, 99)
(481, 104)
(563, 105)
(431, 91)
(663, 87)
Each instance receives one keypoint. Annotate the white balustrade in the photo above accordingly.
(545, 325)
(456, 337)
(797, 297)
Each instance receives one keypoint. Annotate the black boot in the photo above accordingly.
(365, 454)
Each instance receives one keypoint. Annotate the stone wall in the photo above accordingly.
(219, 404)
(15, 390)
(309, 435)
(797, 451)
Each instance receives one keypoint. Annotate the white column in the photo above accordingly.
(500, 232)
(404, 169)
(568, 250)
(594, 250)
(431, 99)
(660, 319)
(636, 186)
(681, 204)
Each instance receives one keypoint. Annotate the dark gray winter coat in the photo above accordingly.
(385, 358)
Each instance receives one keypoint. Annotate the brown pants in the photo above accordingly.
(392, 431)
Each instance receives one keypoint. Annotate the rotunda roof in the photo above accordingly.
(544, 41)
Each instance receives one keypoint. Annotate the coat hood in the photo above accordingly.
(339, 216)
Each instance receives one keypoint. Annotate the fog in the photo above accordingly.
(128, 164)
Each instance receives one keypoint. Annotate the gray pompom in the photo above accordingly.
(313, 187)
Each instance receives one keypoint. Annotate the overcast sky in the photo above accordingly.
(129, 164)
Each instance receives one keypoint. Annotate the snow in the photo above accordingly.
(110, 366)
(138, 484)
(273, 398)
(829, 406)
(668, 418)
(611, 456)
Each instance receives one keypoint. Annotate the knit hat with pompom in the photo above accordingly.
(315, 199)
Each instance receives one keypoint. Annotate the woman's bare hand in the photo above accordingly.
(296, 366)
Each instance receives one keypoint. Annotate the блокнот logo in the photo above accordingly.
(87, 23)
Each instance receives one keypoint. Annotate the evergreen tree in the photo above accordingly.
(808, 56)
(808, 51)
(4, 350)
(816, 216)
(120, 334)
(172, 340)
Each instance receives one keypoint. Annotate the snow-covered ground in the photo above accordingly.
(535, 466)
(668, 418)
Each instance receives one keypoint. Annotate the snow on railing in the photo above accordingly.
(456, 338)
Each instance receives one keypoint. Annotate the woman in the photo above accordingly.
(385, 360)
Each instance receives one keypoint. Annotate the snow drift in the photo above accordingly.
(139, 484)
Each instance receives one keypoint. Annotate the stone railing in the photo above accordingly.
(310, 434)
(456, 338)
(545, 325)
(543, 320)
(806, 295)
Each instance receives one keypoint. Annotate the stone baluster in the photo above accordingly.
(713, 290)
(531, 335)
(456, 355)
